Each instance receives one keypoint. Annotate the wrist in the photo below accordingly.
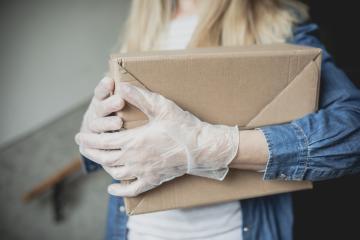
(253, 151)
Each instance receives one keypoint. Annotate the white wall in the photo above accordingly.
(52, 54)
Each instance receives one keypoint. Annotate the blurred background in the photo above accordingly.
(53, 53)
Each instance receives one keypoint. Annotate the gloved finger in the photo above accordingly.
(105, 124)
(108, 141)
(129, 189)
(110, 105)
(119, 172)
(105, 87)
(140, 98)
(103, 157)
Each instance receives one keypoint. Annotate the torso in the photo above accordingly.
(212, 222)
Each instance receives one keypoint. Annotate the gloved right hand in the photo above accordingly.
(97, 119)
(174, 142)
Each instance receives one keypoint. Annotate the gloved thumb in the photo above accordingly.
(140, 98)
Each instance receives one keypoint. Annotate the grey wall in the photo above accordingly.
(52, 54)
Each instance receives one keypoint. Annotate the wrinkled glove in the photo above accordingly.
(96, 119)
(174, 142)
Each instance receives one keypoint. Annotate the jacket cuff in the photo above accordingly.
(288, 152)
(89, 166)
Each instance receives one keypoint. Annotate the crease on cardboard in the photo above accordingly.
(124, 71)
(135, 208)
(272, 104)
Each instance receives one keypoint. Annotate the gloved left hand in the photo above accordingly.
(173, 142)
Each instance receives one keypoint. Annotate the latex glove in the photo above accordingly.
(174, 142)
(96, 119)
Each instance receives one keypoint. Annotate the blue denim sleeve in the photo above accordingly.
(89, 166)
(324, 144)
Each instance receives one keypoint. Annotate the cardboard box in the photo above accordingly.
(245, 86)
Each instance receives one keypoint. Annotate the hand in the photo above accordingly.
(172, 143)
(96, 119)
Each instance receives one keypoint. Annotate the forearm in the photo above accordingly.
(253, 151)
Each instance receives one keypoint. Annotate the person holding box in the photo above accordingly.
(319, 146)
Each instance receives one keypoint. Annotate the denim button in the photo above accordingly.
(283, 176)
(246, 229)
(122, 209)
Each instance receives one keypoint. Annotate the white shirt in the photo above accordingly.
(211, 222)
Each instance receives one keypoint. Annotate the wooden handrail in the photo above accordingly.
(48, 183)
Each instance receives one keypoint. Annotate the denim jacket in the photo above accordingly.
(318, 146)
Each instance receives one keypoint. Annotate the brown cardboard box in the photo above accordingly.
(245, 86)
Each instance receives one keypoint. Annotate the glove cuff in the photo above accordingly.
(214, 163)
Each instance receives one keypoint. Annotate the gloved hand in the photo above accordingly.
(96, 119)
(174, 142)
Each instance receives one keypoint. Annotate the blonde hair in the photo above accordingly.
(221, 22)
